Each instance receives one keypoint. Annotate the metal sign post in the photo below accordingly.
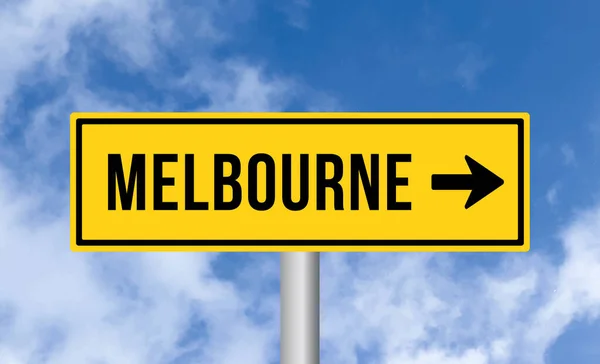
(299, 292)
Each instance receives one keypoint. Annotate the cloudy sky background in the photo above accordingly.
(59, 56)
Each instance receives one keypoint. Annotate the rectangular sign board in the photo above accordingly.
(325, 182)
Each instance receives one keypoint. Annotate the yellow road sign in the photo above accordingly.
(300, 182)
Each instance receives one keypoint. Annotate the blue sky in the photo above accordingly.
(62, 56)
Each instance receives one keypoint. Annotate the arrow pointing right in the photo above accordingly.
(481, 182)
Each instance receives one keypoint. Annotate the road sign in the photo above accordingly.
(300, 182)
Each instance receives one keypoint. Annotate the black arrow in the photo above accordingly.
(481, 182)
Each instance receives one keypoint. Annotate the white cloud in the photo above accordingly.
(568, 154)
(234, 86)
(457, 62)
(552, 194)
(470, 68)
(419, 311)
(296, 11)
(112, 308)
(37, 31)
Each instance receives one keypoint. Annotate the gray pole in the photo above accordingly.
(299, 292)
